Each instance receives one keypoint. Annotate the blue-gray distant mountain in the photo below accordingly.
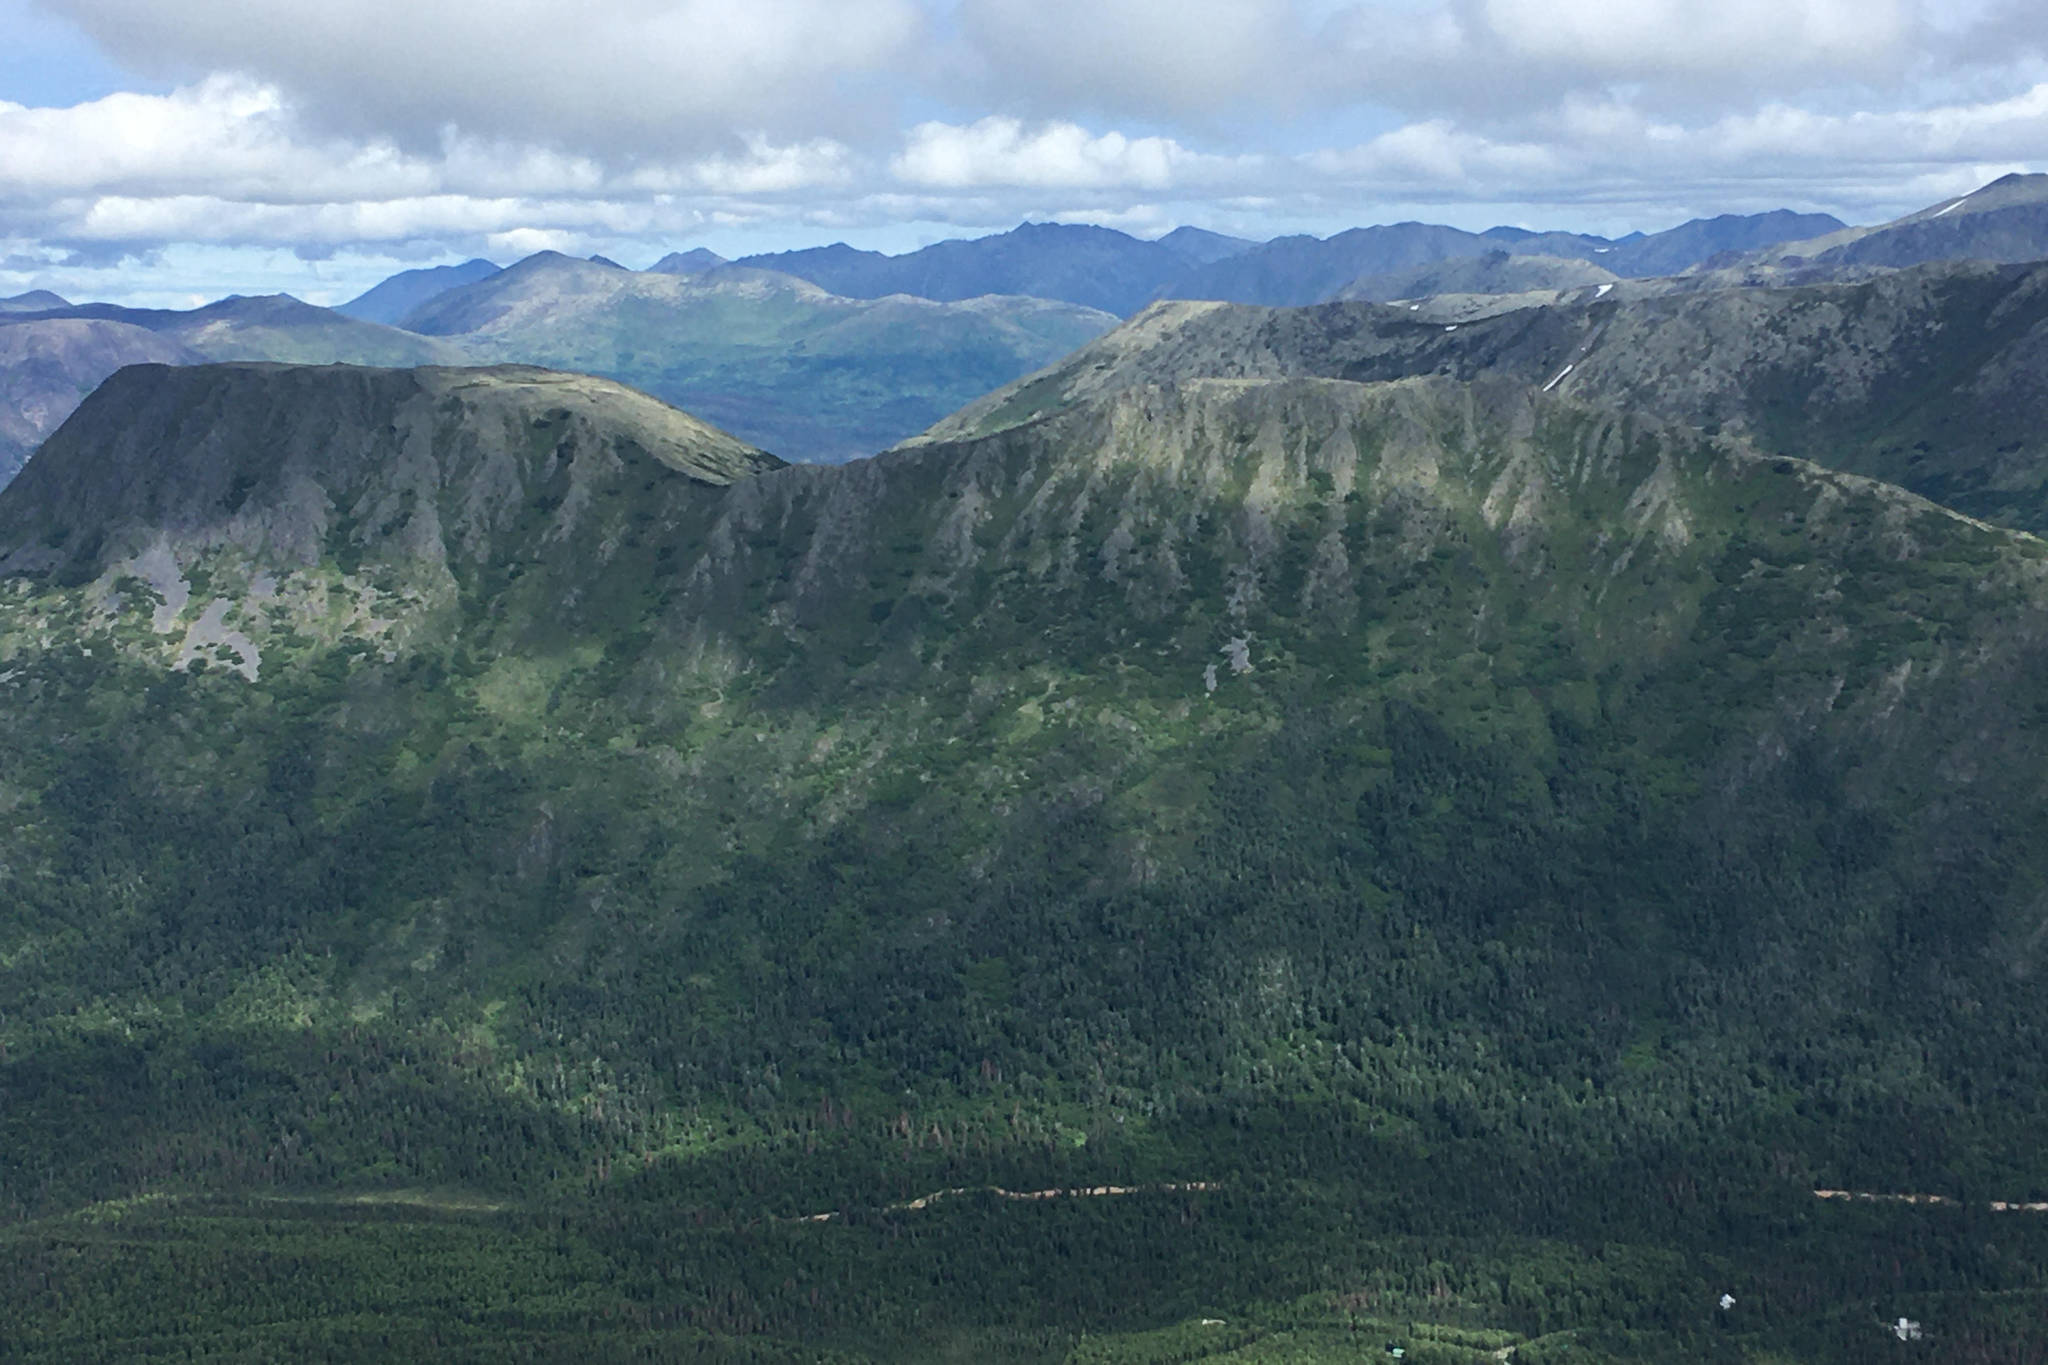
(34, 301)
(1290, 271)
(1102, 268)
(1702, 239)
(2005, 222)
(1201, 246)
(1301, 270)
(408, 289)
(695, 261)
(276, 327)
(1092, 266)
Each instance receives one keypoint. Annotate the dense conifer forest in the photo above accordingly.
(1422, 866)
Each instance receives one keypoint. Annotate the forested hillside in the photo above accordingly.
(502, 870)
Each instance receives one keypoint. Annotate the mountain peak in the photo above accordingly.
(695, 261)
(34, 301)
(287, 464)
(398, 295)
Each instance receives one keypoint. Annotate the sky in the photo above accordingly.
(168, 154)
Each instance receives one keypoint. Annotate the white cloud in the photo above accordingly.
(655, 76)
(1634, 39)
(629, 126)
(229, 161)
(1000, 151)
(1156, 57)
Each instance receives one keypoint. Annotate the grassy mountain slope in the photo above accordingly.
(782, 362)
(1412, 834)
(1928, 378)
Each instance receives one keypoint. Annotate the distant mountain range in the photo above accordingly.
(832, 352)
(780, 362)
(1114, 272)
(1111, 270)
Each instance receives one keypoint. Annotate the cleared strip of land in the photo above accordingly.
(925, 1201)
(1995, 1205)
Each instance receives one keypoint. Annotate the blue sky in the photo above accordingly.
(165, 153)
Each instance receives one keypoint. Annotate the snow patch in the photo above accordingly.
(1602, 290)
(1559, 376)
(1950, 209)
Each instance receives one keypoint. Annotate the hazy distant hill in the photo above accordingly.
(1200, 246)
(277, 327)
(1111, 270)
(1292, 271)
(775, 359)
(1301, 270)
(394, 298)
(49, 365)
(695, 261)
(49, 360)
(35, 301)
(1092, 266)
(1690, 244)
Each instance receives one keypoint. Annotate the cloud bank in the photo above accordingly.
(411, 131)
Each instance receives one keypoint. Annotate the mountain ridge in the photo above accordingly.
(1281, 792)
(1868, 376)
